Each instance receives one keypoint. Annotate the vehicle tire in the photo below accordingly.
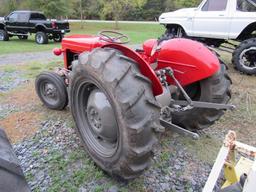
(57, 37)
(246, 50)
(52, 90)
(215, 89)
(23, 37)
(12, 177)
(175, 31)
(41, 38)
(123, 144)
(4, 35)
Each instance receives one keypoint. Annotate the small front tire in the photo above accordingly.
(52, 90)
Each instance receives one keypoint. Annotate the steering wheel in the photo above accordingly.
(114, 37)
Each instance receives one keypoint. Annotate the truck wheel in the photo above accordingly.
(57, 38)
(175, 31)
(4, 35)
(23, 37)
(115, 111)
(52, 90)
(41, 38)
(215, 89)
(244, 57)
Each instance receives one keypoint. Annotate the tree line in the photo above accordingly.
(146, 10)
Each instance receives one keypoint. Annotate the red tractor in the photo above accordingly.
(120, 98)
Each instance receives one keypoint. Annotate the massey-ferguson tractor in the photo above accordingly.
(120, 98)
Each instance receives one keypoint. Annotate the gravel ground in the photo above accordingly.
(20, 58)
(10, 80)
(34, 153)
(174, 167)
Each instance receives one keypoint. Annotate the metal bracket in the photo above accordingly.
(206, 105)
(190, 104)
(179, 129)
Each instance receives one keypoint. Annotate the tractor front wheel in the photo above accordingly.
(215, 89)
(114, 110)
(52, 90)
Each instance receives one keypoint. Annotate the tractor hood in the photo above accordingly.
(81, 43)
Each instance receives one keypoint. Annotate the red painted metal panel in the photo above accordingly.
(190, 60)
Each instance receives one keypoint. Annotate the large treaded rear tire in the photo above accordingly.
(247, 44)
(12, 177)
(215, 89)
(135, 108)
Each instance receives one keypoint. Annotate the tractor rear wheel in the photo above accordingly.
(215, 89)
(115, 111)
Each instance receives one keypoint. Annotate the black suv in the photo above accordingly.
(23, 23)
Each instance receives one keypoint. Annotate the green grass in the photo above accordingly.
(32, 69)
(205, 149)
(59, 166)
(137, 33)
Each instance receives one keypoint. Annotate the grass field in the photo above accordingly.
(137, 33)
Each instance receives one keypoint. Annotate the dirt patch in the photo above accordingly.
(23, 97)
(24, 120)
(20, 125)
(21, 112)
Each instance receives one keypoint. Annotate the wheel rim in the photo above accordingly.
(39, 39)
(98, 125)
(1, 36)
(49, 93)
(248, 58)
(57, 38)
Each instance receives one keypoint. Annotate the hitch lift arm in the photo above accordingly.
(196, 104)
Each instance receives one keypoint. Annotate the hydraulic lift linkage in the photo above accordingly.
(185, 104)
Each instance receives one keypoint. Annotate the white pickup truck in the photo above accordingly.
(215, 22)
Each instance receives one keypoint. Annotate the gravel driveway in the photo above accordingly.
(21, 58)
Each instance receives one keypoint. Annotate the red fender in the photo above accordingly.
(191, 61)
(144, 67)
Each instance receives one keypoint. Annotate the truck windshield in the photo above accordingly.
(246, 5)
